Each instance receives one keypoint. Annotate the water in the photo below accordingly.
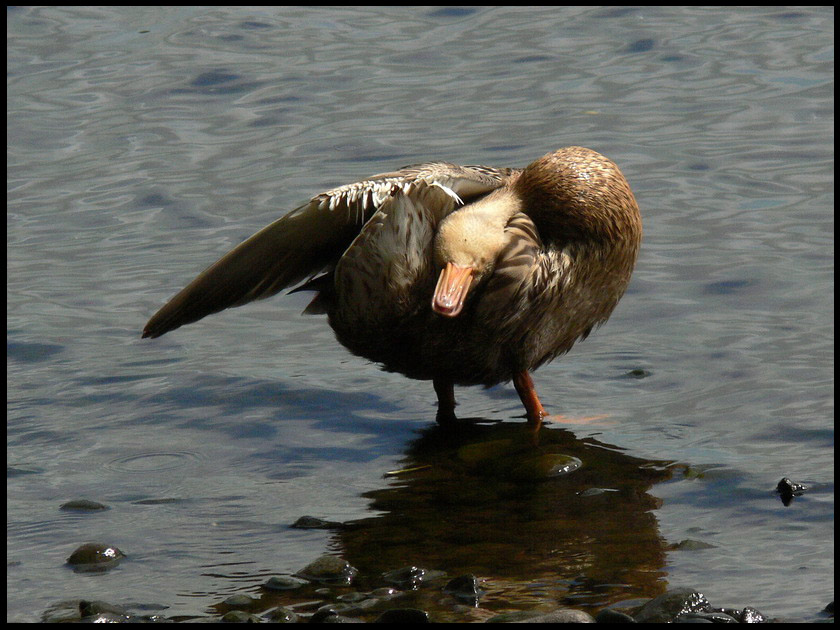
(143, 143)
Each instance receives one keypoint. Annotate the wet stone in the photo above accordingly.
(83, 505)
(595, 492)
(692, 545)
(788, 489)
(329, 615)
(404, 615)
(351, 598)
(745, 615)
(712, 616)
(329, 570)
(410, 578)
(240, 601)
(95, 557)
(545, 467)
(106, 618)
(88, 608)
(282, 583)
(608, 615)
(751, 615)
(666, 607)
(281, 614)
(313, 522)
(358, 607)
(95, 611)
(240, 616)
(464, 588)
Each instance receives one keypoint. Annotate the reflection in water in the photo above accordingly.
(483, 500)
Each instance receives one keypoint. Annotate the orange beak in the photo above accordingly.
(451, 289)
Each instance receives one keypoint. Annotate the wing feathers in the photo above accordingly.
(310, 239)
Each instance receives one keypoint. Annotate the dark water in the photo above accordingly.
(143, 143)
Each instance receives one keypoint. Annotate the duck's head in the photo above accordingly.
(576, 198)
(577, 194)
(467, 243)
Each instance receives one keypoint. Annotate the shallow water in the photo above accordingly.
(143, 143)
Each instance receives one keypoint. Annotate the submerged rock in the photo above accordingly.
(545, 466)
(95, 557)
(608, 615)
(329, 570)
(668, 606)
(239, 616)
(410, 578)
(240, 601)
(282, 583)
(404, 615)
(464, 588)
(281, 614)
(313, 522)
(406, 578)
(83, 505)
(788, 489)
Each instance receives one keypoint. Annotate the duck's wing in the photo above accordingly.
(310, 239)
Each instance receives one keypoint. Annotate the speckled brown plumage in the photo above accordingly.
(458, 274)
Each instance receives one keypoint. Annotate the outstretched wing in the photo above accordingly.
(310, 239)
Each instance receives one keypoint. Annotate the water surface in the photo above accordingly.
(143, 143)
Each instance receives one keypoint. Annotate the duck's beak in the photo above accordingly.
(451, 289)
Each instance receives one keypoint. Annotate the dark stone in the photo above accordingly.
(713, 616)
(407, 578)
(83, 505)
(95, 557)
(607, 615)
(313, 522)
(240, 601)
(692, 545)
(329, 615)
(88, 608)
(751, 615)
(282, 583)
(464, 588)
(240, 616)
(329, 570)
(404, 615)
(282, 615)
(788, 489)
(666, 607)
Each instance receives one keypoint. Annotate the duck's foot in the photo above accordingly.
(534, 410)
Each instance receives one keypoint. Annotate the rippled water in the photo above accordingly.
(143, 143)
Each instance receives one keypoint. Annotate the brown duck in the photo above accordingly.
(462, 275)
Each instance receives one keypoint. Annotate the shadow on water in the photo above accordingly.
(482, 499)
(567, 522)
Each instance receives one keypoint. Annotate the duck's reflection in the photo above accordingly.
(570, 518)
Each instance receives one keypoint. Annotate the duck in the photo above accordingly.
(461, 275)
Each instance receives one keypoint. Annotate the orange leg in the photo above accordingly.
(445, 391)
(534, 410)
